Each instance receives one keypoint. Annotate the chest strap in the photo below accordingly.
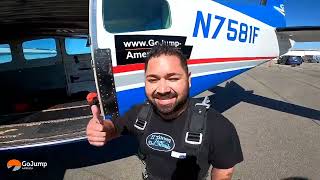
(194, 132)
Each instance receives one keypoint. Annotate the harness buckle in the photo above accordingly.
(140, 124)
(193, 138)
(204, 103)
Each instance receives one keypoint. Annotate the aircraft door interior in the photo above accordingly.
(44, 84)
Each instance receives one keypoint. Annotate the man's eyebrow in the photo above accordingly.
(173, 74)
(152, 75)
(167, 75)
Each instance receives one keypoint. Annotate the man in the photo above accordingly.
(169, 152)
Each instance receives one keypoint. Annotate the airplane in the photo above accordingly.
(43, 95)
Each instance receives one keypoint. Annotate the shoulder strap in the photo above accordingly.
(194, 132)
(143, 116)
(195, 142)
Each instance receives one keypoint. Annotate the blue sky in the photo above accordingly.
(303, 13)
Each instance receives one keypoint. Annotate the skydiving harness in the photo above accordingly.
(194, 141)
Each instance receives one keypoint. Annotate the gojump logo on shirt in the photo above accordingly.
(160, 142)
(16, 165)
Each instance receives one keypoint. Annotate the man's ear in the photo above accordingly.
(189, 76)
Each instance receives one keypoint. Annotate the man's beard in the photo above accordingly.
(171, 109)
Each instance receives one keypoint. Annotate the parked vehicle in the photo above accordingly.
(294, 60)
(316, 59)
(290, 60)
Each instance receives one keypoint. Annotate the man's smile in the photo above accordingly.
(164, 102)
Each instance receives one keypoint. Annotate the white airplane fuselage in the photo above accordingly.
(221, 42)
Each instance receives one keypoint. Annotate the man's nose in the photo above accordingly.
(163, 87)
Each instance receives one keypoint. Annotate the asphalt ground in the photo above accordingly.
(275, 109)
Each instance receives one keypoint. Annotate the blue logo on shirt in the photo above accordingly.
(160, 142)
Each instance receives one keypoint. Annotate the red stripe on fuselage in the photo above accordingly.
(140, 66)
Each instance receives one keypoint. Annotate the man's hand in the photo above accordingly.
(99, 131)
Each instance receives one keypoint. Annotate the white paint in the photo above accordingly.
(142, 84)
(183, 21)
(183, 17)
(302, 53)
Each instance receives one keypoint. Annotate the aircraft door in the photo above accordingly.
(77, 62)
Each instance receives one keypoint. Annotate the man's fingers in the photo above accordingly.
(96, 113)
(93, 133)
(96, 139)
(96, 126)
(99, 144)
(96, 131)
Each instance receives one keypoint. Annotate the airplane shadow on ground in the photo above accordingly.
(226, 97)
(81, 154)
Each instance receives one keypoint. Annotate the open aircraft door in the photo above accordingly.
(45, 85)
(77, 63)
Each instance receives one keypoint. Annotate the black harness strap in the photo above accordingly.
(194, 130)
(197, 121)
(194, 133)
(143, 117)
(196, 143)
(142, 120)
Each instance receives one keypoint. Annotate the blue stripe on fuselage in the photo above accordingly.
(128, 98)
(266, 14)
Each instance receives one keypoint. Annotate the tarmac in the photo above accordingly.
(275, 109)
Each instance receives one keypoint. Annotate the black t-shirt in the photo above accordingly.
(163, 143)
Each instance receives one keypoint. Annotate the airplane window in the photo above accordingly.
(76, 46)
(39, 49)
(5, 53)
(138, 15)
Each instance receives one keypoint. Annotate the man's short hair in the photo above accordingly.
(159, 50)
